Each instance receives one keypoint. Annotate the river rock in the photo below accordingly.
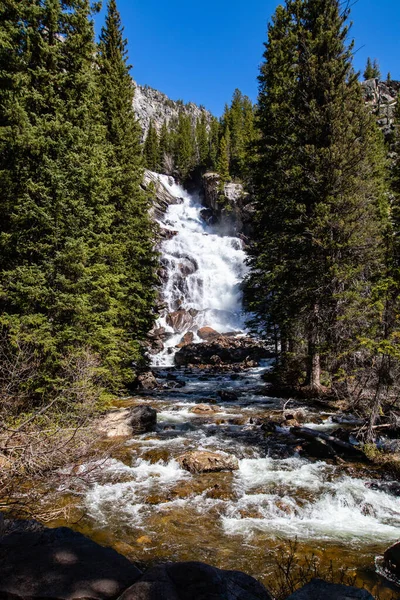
(391, 560)
(227, 395)
(60, 564)
(146, 381)
(318, 589)
(230, 350)
(181, 319)
(195, 581)
(143, 418)
(125, 422)
(199, 461)
(205, 409)
(187, 339)
(207, 333)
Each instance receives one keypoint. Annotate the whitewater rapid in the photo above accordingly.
(203, 271)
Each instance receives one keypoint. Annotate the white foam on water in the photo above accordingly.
(310, 501)
(124, 501)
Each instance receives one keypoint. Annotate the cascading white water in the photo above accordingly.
(203, 272)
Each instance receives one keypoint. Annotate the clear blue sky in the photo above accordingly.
(200, 51)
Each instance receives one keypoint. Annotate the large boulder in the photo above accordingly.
(391, 560)
(186, 339)
(146, 381)
(207, 333)
(60, 564)
(195, 581)
(199, 461)
(181, 320)
(143, 418)
(318, 589)
(228, 350)
(124, 422)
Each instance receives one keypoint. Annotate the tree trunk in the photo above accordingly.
(313, 379)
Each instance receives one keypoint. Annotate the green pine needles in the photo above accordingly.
(322, 211)
(77, 266)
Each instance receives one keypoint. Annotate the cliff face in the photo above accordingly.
(381, 98)
(152, 105)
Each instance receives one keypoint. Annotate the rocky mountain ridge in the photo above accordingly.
(151, 105)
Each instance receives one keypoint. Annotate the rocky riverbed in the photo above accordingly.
(223, 477)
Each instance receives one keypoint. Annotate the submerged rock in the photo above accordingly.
(195, 581)
(205, 409)
(318, 589)
(227, 395)
(60, 564)
(199, 461)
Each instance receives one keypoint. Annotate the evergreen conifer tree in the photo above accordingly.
(184, 146)
(321, 208)
(151, 149)
(132, 257)
(56, 293)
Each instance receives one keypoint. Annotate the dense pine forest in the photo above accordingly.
(88, 262)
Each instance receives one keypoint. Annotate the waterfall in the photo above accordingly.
(202, 273)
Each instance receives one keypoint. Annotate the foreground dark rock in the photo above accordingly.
(38, 563)
(195, 581)
(143, 418)
(200, 461)
(318, 589)
(228, 350)
(391, 560)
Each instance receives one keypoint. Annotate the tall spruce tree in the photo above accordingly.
(151, 148)
(56, 294)
(132, 256)
(321, 210)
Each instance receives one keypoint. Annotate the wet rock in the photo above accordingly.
(143, 418)
(390, 446)
(205, 409)
(60, 564)
(227, 395)
(146, 381)
(389, 487)
(207, 333)
(195, 581)
(199, 461)
(230, 350)
(181, 319)
(391, 560)
(125, 422)
(319, 443)
(318, 589)
(187, 339)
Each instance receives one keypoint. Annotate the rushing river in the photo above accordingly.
(149, 508)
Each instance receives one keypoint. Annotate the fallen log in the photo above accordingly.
(339, 446)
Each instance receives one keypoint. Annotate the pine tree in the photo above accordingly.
(57, 292)
(213, 143)
(319, 181)
(223, 160)
(202, 141)
(184, 146)
(372, 70)
(151, 149)
(132, 256)
(165, 148)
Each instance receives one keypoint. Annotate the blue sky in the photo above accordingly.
(200, 51)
